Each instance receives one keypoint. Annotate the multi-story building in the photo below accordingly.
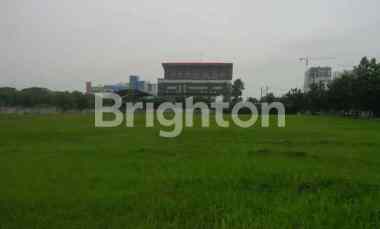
(141, 85)
(198, 79)
(134, 82)
(317, 75)
(150, 88)
(339, 74)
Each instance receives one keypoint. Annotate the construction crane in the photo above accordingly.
(308, 59)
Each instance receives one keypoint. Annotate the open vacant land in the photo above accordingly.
(60, 172)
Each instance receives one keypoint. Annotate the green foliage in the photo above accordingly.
(354, 92)
(342, 95)
(295, 101)
(40, 97)
(237, 90)
(268, 98)
(252, 100)
(7, 96)
(316, 98)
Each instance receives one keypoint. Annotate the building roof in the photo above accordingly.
(196, 63)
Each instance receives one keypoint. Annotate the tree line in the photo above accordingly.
(42, 97)
(354, 93)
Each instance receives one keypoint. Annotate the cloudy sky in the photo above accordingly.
(61, 44)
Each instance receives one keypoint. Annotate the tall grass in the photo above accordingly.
(58, 171)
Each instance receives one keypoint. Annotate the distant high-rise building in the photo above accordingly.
(134, 82)
(339, 74)
(317, 75)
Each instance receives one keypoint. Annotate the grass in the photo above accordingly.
(61, 172)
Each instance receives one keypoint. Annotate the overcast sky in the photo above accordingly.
(60, 44)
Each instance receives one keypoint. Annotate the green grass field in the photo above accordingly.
(61, 172)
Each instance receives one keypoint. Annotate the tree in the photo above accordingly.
(64, 100)
(237, 90)
(252, 100)
(316, 98)
(34, 96)
(8, 96)
(79, 100)
(341, 94)
(269, 98)
(367, 85)
(294, 101)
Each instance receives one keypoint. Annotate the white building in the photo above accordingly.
(317, 75)
(148, 87)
